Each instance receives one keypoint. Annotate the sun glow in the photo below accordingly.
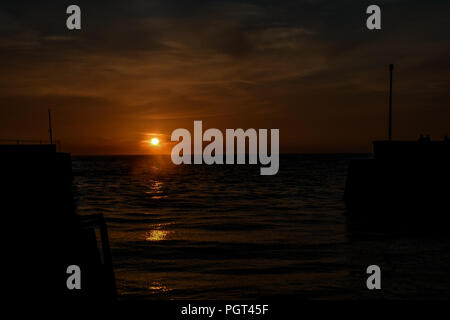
(154, 141)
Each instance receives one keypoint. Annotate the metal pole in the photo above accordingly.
(391, 67)
(50, 126)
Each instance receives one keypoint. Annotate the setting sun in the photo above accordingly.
(154, 141)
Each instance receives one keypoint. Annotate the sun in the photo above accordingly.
(154, 141)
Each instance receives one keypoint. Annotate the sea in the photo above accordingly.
(227, 232)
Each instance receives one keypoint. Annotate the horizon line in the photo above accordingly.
(166, 154)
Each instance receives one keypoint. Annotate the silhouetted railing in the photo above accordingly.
(92, 222)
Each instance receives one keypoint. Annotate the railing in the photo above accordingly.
(33, 142)
(93, 221)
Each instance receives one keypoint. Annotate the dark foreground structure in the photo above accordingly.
(405, 182)
(41, 233)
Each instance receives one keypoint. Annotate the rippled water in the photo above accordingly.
(226, 232)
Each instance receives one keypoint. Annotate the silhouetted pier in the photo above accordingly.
(406, 181)
(42, 234)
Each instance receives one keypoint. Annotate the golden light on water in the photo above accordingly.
(154, 141)
(156, 235)
(157, 286)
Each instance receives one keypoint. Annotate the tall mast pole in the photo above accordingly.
(50, 125)
(391, 68)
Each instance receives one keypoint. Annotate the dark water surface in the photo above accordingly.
(226, 232)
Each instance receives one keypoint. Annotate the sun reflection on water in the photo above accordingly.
(156, 190)
(157, 287)
(156, 235)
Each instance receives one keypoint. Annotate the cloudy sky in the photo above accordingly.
(139, 69)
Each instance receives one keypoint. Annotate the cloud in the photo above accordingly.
(138, 65)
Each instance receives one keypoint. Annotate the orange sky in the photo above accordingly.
(309, 68)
